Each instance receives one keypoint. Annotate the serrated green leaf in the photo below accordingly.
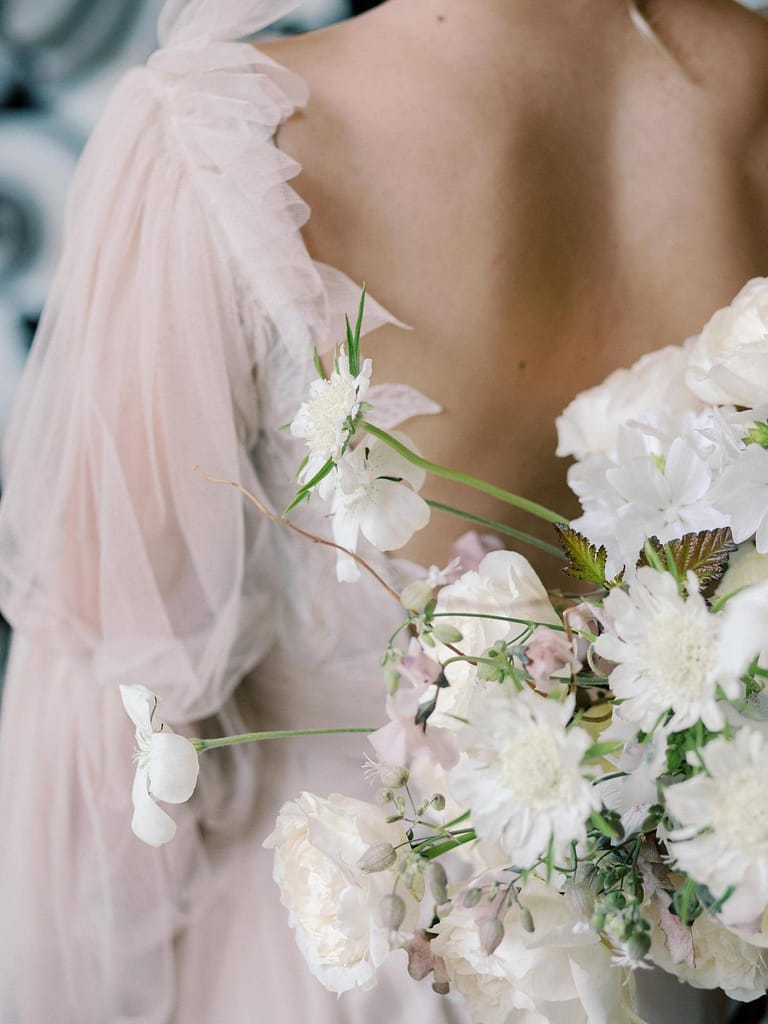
(705, 553)
(586, 562)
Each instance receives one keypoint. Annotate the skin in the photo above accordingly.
(542, 195)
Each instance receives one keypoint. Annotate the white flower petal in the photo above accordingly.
(150, 823)
(138, 702)
(392, 515)
(173, 767)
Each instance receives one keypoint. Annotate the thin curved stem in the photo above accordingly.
(540, 511)
(282, 521)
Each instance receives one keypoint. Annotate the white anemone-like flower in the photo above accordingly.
(521, 775)
(723, 814)
(324, 419)
(166, 767)
(376, 495)
(668, 654)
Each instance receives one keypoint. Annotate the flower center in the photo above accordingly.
(333, 401)
(741, 811)
(532, 769)
(679, 652)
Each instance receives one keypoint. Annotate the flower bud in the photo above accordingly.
(391, 677)
(378, 857)
(526, 920)
(446, 633)
(491, 932)
(472, 897)
(416, 596)
(438, 882)
(392, 910)
(438, 802)
(639, 945)
(442, 988)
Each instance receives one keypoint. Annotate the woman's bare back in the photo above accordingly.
(541, 194)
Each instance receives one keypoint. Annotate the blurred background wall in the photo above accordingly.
(58, 61)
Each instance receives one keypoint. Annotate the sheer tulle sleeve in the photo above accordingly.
(111, 546)
(118, 563)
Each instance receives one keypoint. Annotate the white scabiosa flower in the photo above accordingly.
(375, 494)
(668, 654)
(521, 775)
(722, 841)
(326, 420)
(342, 914)
(166, 767)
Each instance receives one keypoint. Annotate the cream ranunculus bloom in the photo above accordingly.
(728, 362)
(557, 974)
(334, 906)
(590, 424)
(166, 767)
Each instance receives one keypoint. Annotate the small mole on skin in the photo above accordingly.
(441, 17)
(522, 364)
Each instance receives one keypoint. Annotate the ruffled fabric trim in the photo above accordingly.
(224, 102)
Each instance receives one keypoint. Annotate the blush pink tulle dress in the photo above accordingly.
(179, 333)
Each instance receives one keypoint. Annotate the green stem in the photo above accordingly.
(500, 618)
(525, 538)
(257, 737)
(463, 478)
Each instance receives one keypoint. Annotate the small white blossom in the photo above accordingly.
(522, 775)
(664, 497)
(323, 421)
(668, 654)
(722, 840)
(375, 494)
(166, 768)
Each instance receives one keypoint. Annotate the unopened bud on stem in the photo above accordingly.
(491, 932)
(392, 911)
(378, 857)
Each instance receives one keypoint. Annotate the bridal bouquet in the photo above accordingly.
(570, 787)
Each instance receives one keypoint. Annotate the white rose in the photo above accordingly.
(553, 975)
(334, 906)
(723, 960)
(504, 584)
(728, 362)
(591, 422)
